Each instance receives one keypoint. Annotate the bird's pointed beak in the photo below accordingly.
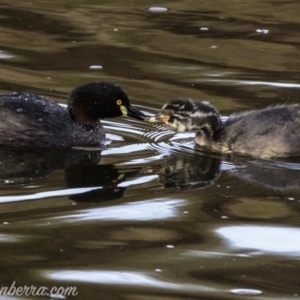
(160, 118)
(133, 112)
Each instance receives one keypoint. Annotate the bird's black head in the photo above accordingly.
(99, 100)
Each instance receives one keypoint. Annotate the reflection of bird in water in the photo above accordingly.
(19, 165)
(278, 175)
(266, 133)
(106, 177)
(33, 120)
(189, 171)
(81, 168)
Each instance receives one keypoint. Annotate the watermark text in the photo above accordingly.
(32, 290)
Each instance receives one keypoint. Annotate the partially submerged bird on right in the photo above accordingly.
(266, 133)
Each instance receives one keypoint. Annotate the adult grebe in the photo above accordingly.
(32, 120)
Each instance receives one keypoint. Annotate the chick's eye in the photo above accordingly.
(119, 102)
(171, 119)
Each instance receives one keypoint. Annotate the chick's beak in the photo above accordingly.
(161, 118)
(133, 112)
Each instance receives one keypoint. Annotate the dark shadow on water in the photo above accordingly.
(83, 174)
(21, 166)
(203, 169)
(181, 171)
(273, 174)
(40, 162)
(189, 171)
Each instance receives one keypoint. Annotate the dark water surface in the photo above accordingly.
(151, 216)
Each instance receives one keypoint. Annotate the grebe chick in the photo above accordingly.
(30, 120)
(266, 133)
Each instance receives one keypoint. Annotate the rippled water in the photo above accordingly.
(151, 216)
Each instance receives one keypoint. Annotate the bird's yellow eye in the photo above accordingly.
(119, 102)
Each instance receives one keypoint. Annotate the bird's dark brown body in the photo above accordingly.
(30, 120)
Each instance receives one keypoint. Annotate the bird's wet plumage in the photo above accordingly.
(266, 133)
(30, 120)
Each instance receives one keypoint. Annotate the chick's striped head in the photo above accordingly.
(185, 115)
